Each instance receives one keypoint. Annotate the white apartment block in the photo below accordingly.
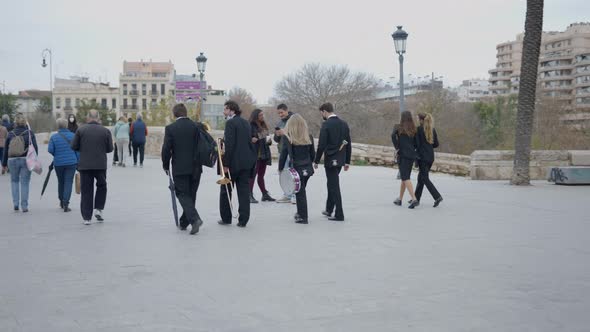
(564, 68)
(68, 95)
(473, 90)
(144, 85)
(28, 101)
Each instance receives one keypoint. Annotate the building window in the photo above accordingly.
(154, 89)
(143, 89)
(134, 103)
(134, 89)
(144, 104)
(154, 102)
(68, 103)
(114, 103)
(163, 89)
(125, 103)
(124, 89)
(57, 102)
(103, 103)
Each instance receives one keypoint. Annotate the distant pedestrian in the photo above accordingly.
(16, 147)
(3, 136)
(6, 122)
(427, 142)
(122, 138)
(93, 142)
(130, 123)
(138, 133)
(65, 161)
(285, 115)
(262, 142)
(72, 123)
(405, 141)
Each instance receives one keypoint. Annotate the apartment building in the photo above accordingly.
(68, 95)
(564, 68)
(144, 85)
(188, 89)
(473, 90)
(28, 101)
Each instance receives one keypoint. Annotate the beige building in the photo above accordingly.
(144, 85)
(28, 101)
(564, 68)
(68, 94)
(473, 90)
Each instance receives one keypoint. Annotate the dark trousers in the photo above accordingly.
(129, 145)
(424, 179)
(334, 196)
(141, 149)
(301, 197)
(65, 180)
(259, 171)
(186, 191)
(87, 178)
(240, 180)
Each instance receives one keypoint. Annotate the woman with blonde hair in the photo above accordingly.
(297, 143)
(427, 142)
(15, 159)
(405, 142)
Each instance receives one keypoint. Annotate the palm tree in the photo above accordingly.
(533, 30)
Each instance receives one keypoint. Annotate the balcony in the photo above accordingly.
(129, 107)
(124, 92)
(134, 93)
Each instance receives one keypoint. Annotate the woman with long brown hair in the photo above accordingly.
(262, 142)
(404, 140)
(298, 145)
(427, 141)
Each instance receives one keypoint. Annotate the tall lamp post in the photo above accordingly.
(201, 63)
(44, 54)
(399, 40)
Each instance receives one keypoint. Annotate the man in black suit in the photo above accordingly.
(336, 147)
(180, 145)
(239, 160)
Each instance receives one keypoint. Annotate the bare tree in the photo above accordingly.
(244, 98)
(533, 31)
(314, 84)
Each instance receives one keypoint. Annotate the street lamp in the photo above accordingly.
(201, 64)
(44, 54)
(399, 40)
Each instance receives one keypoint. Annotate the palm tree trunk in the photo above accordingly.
(533, 31)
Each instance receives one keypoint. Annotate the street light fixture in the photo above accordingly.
(44, 54)
(399, 41)
(201, 64)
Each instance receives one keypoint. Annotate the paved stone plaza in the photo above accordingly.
(492, 257)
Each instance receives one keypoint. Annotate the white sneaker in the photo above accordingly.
(293, 199)
(98, 215)
(86, 222)
(284, 199)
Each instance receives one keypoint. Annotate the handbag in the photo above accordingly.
(33, 162)
(77, 182)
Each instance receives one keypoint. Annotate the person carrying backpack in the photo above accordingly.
(15, 159)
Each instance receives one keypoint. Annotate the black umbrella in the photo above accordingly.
(173, 194)
(47, 178)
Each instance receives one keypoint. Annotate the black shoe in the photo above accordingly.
(327, 214)
(296, 216)
(66, 208)
(16, 208)
(252, 199)
(414, 204)
(182, 227)
(241, 225)
(336, 218)
(301, 221)
(61, 204)
(221, 222)
(25, 210)
(437, 201)
(398, 202)
(266, 197)
(195, 227)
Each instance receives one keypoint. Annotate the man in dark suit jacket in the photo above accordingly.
(180, 144)
(336, 147)
(239, 159)
(93, 141)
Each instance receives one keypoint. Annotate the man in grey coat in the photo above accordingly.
(93, 142)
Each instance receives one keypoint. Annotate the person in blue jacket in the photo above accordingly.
(65, 161)
(138, 133)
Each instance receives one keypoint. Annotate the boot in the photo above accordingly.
(252, 199)
(266, 197)
(66, 207)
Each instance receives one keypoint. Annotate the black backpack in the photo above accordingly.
(206, 153)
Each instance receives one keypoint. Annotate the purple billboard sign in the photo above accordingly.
(190, 85)
(182, 97)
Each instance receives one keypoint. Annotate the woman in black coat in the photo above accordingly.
(405, 142)
(427, 142)
(297, 143)
(72, 124)
(261, 141)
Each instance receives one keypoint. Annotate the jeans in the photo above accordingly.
(138, 148)
(20, 177)
(121, 145)
(65, 180)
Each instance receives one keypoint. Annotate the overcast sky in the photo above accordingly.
(253, 43)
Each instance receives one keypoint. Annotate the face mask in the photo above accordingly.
(72, 120)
